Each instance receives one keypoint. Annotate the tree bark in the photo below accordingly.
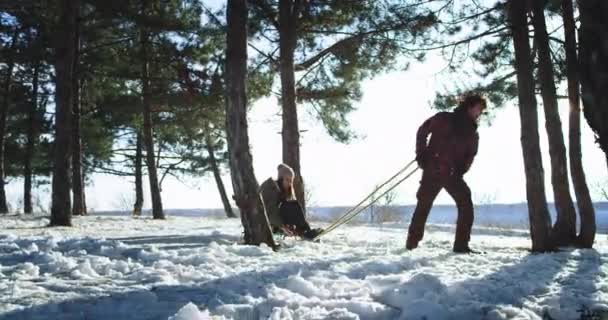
(6, 92)
(139, 186)
(289, 10)
(245, 186)
(61, 214)
(157, 206)
(84, 194)
(31, 143)
(77, 181)
(564, 230)
(586, 211)
(540, 220)
(218, 181)
(593, 66)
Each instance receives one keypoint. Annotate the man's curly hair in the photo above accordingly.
(470, 99)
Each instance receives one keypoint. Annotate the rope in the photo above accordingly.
(371, 194)
(351, 215)
(356, 210)
(354, 214)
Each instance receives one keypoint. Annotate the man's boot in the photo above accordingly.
(411, 244)
(464, 248)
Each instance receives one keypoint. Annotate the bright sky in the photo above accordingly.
(387, 117)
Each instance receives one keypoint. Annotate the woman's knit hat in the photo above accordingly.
(285, 171)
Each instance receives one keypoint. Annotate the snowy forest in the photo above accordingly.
(148, 91)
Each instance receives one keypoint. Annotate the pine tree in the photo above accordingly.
(79, 206)
(364, 38)
(4, 106)
(540, 221)
(592, 61)
(144, 38)
(583, 198)
(61, 213)
(244, 183)
(564, 230)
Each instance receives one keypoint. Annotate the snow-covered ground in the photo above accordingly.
(184, 268)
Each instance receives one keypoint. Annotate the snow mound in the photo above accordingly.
(191, 312)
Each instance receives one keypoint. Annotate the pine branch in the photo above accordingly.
(475, 37)
(169, 168)
(105, 44)
(560, 41)
(310, 70)
(123, 150)
(384, 29)
(268, 12)
(351, 37)
(331, 49)
(215, 19)
(268, 57)
(476, 15)
(298, 6)
(111, 171)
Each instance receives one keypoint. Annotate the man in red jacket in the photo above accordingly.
(444, 160)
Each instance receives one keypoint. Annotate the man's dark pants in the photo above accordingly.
(433, 180)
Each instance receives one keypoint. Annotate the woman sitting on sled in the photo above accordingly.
(283, 209)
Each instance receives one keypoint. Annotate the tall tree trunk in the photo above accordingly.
(593, 66)
(61, 214)
(157, 205)
(77, 182)
(244, 183)
(31, 143)
(586, 211)
(139, 186)
(84, 194)
(540, 220)
(6, 92)
(218, 180)
(289, 10)
(564, 230)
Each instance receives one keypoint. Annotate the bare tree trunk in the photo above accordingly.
(564, 230)
(244, 183)
(6, 92)
(77, 181)
(586, 236)
(30, 144)
(540, 220)
(218, 181)
(593, 67)
(139, 186)
(289, 10)
(61, 214)
(157, 205)
(372, 213)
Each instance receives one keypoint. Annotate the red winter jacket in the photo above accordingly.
(453, 143)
